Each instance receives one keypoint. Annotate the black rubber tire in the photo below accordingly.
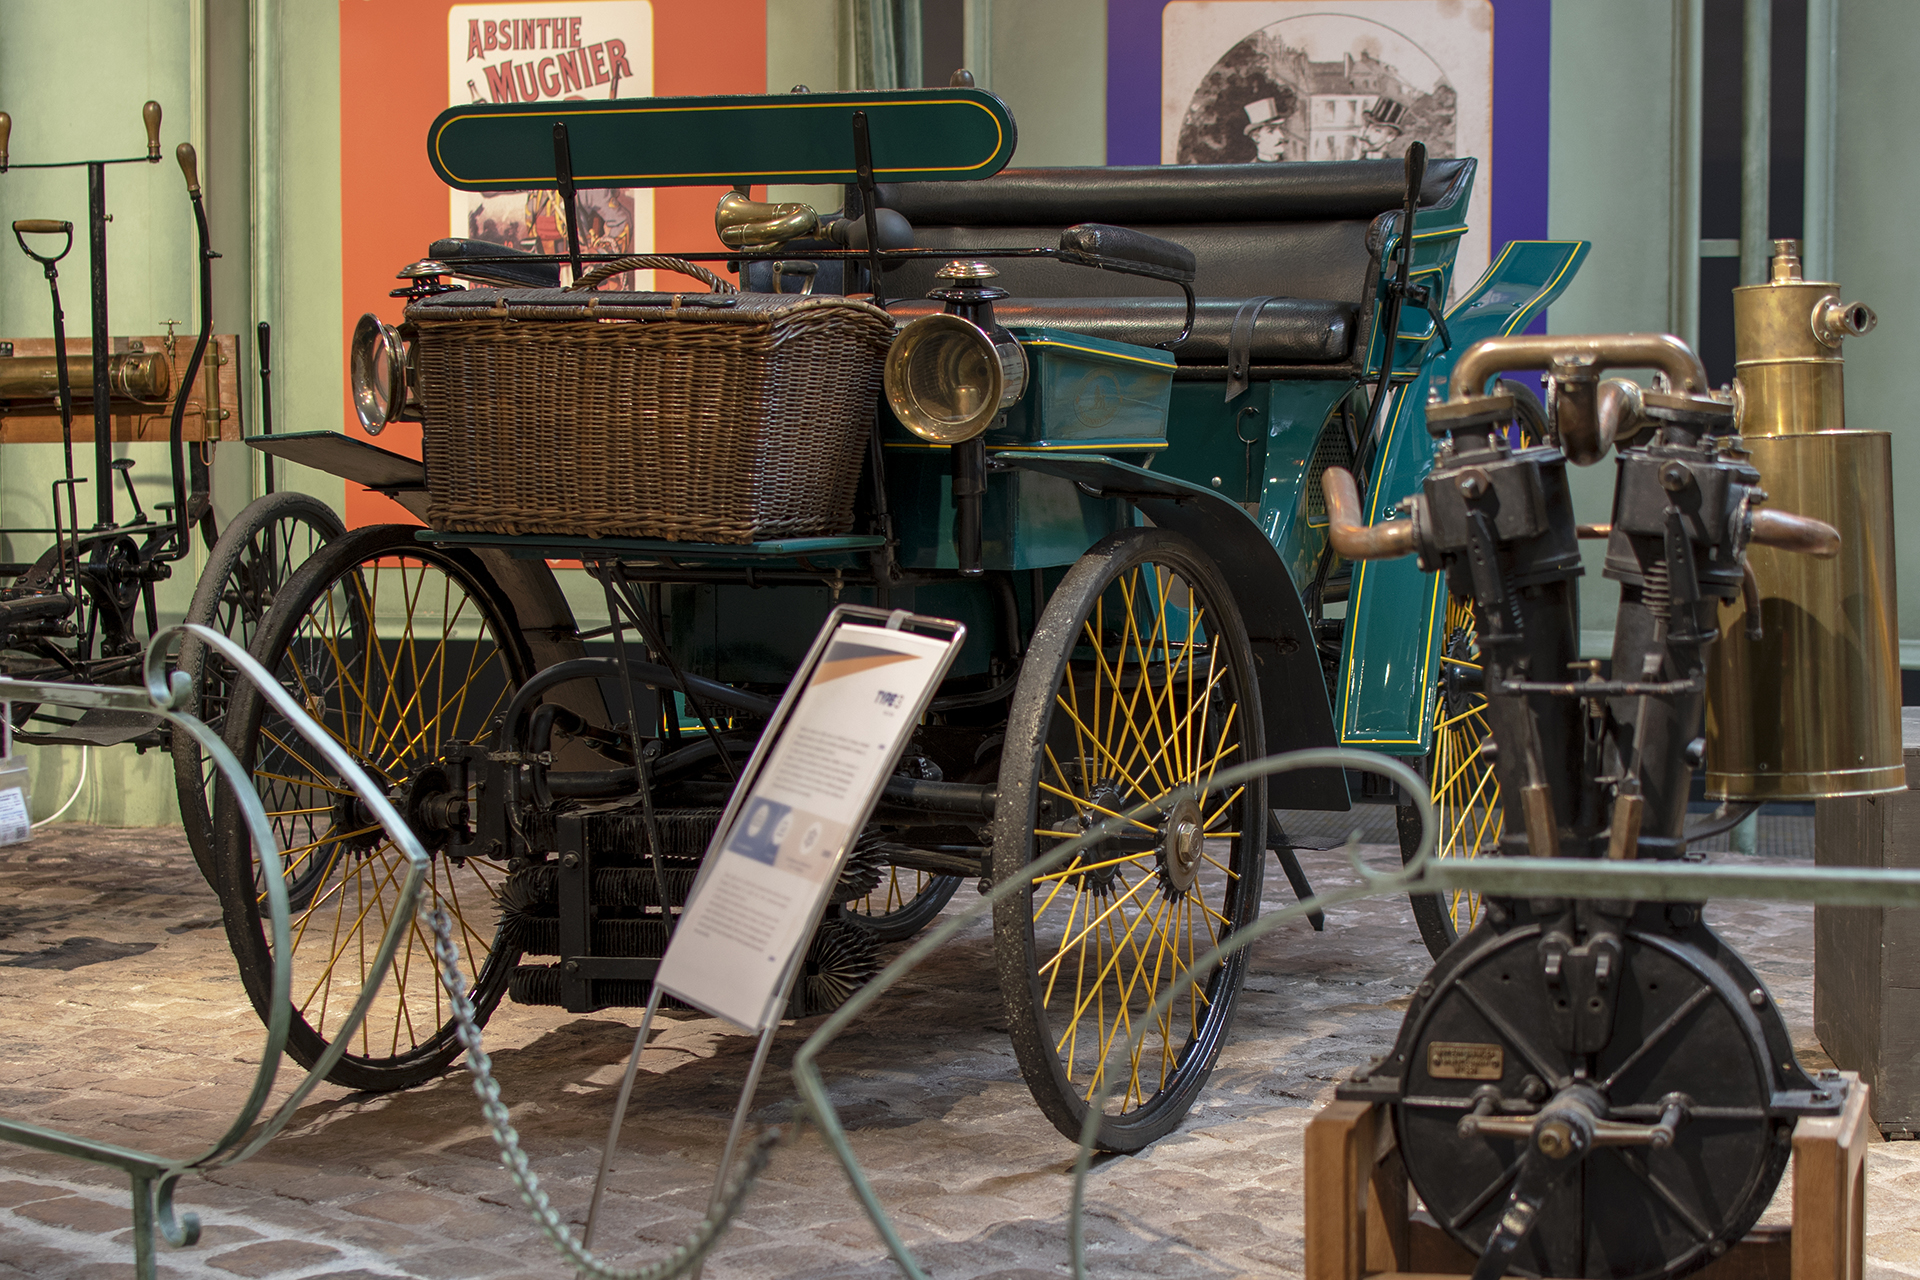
(1041, 742)
(920, 898)
(408, 1037)
(258, 553)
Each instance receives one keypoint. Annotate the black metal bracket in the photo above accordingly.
(869, 201)
(563, 175)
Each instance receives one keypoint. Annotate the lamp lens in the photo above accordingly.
(950, 376)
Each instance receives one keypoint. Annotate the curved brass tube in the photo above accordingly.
(1619, 411)
(1660, 351)
(1351, 536)
(1802, 535)
(756, 224)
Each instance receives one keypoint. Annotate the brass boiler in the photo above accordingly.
(139, 376)
(1810, 708)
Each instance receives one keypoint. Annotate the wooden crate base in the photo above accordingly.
(1358, 1224)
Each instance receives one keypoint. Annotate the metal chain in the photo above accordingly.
(687, 1256)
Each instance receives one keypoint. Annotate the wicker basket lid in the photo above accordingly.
(567, 304)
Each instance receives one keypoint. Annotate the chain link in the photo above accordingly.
(687, 1256)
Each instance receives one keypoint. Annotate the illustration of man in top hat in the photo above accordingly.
(1386, 122)
(1267, 126)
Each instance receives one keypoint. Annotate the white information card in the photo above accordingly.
(802, 803)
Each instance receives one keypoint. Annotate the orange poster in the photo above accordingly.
(391, 88)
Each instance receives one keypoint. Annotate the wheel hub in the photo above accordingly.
(1183, 843)
(1459, 682)
(432, 805)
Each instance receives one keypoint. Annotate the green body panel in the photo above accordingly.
(1292, 513)
(1029, 521)
(1394, 610)
(1087, 393)
(917, 135)
(1385, 665)
(757, 636)
(1084, 395)
(1257, 451)
(1209, 439)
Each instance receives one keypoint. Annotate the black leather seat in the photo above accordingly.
(1306, 235)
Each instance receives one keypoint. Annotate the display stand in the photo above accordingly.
(1359, 1224)
(785, 834)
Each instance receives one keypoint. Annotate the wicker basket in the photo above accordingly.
(696, 418)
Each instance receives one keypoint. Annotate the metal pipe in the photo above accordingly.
(102, 341)
(1802, 535)
(1683, 253)
(132, 376)
(1352, 537)
(1660, 351)
(1823, 81)
(1756, 138)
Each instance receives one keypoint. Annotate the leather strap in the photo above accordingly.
(1240, 346)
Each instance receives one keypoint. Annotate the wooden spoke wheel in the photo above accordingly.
(398, 649)
(1138, 681)
(1466, 794)
(257, 553)
(905, 902)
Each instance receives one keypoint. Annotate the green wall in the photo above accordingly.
(1611, 148)
(1877, 193)
(81, 98)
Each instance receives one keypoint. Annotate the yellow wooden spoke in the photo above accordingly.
(1097, 808)
(1145, 855)
(1077, 939)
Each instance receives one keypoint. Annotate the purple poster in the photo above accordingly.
(1241, 81)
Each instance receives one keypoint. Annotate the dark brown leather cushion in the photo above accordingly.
(1289, 330)
(1147, 194)
(1236, 260)
(1297, 233)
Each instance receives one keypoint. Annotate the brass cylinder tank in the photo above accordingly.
(1811, 708)
(137, 376)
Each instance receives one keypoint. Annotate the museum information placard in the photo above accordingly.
(774, 862)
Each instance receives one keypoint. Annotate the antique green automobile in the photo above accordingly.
(1110, 396)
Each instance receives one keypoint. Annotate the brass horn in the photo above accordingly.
(756, 224)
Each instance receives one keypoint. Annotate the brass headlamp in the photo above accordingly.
(950, 375)
(377, 369)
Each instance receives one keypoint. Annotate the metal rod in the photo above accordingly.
(619, 1117)
(1823, 83)
(869, 201)
(266, 395)
(746, 1096)
(1683, 298)
(102, 343)
(1756, 137)
(563, 174)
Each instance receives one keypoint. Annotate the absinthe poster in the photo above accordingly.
(547, 52)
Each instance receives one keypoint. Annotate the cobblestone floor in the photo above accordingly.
(121, 1017)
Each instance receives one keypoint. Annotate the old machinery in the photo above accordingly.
(1805, 697)
(1591, 1088)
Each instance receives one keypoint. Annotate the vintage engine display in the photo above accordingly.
(1806, 704)
(1591, 1088)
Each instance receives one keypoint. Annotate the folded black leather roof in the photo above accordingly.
(1133, 194)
